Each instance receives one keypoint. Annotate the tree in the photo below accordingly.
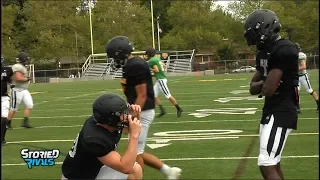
(193, 26)
(241, 9)
(9, 13)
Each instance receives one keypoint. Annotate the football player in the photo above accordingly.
(94, 155)
(157, 67)
(137, 86)
(6, 73)
(304, 78)
(277, 79)
(19, 90)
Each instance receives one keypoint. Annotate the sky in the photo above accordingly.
(223, 3)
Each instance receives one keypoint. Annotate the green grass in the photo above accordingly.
(60, 110)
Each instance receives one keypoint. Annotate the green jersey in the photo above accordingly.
(156, 61)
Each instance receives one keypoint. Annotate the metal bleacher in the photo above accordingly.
(98, 65)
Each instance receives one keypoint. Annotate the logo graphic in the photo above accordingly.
(39, 158)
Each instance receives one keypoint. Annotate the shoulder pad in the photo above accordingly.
(283, 43)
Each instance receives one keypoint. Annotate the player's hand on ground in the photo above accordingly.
(135, 110)
(134, 126)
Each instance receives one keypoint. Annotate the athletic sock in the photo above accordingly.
(178, 107)
(164, 169)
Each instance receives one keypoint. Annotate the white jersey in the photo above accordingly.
(20, 68)
(302, 57)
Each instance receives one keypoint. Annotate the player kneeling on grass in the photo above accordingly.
(276, 79)
(94, 155)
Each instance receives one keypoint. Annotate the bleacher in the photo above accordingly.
(97, 66)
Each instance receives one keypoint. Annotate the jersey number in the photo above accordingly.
(73, 150)
(264, 65)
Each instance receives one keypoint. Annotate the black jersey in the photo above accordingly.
(136, 71)
(92, 142)
(282, 55)
(6, 73)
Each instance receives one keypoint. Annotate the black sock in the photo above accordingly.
(298, 106)
(25, 119)
(178, 107)
(161, 108)
(4, 122)
(317, 101)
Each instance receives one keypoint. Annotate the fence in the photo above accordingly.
(228, 66)
(220, 67)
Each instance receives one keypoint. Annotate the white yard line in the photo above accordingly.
(87, 115)
(157, 138)
(195, 159)
(164, 122)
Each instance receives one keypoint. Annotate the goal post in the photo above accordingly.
(31, 73)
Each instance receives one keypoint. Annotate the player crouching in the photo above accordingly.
(94, 155)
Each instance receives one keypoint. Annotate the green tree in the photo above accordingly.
(193, 26)
(9, 50)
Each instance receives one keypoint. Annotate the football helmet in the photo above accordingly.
(298, 46)
(23, 58)
(108, 108)
(2, 60)
(150, 52)
(261, 28)
(119, 48)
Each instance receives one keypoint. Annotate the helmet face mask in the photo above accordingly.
(119, 48)
(298, 46)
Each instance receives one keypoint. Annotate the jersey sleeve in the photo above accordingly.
(286, 57)
(152, 62)
(138, 74)
(97, 147)
(17, 68)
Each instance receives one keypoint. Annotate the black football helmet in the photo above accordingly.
(23, 58)
(150, 52)
(298, 46)
(107, 109)
(261, 28)
(119, 48)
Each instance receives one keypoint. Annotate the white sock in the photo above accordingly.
(164, 169)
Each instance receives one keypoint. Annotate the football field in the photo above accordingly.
(215, 138)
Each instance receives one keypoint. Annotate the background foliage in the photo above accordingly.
(50, 30)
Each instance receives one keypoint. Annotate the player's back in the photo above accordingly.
(135, 72)
(20, 68)
(6, 74)
(284, 56)
(93, 141)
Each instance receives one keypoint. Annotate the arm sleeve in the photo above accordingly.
(285, 57)
(97, 147)
(138, 74)
(17, 68)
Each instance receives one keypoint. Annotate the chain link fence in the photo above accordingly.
(242, 65)
(219, 67)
